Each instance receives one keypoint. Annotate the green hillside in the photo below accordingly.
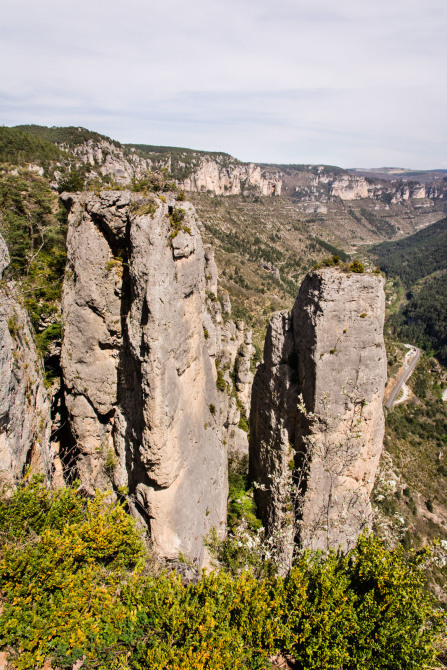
(416, 256)
(18, 147)
(423, 319)
(419, 263)
(72, 136)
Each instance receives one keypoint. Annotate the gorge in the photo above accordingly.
(193, 357)
(155, 376)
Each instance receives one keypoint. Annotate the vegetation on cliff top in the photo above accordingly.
(71, 136)
(33, 224)
(75, 584)
(19, 147)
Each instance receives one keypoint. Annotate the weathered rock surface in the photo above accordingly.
(232, 179)
(111, 159)
(221, 174)
(138, 358)
(331, 351)
(24, 404)
(229, 344)
(273, 423)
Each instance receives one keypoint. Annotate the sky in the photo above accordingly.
(353, 83)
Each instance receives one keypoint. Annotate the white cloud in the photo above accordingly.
(295, 81)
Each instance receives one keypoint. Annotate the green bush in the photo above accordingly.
(221, 384)
(329, 262)
(176, 218)
(73, 585)
(154, 182)
(356, 266)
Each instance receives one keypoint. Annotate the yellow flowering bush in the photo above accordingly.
(73, 586)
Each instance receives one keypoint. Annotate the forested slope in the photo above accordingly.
(419, 262)
(414, 257)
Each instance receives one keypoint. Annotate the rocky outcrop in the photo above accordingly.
(111, 159)
(352, 187)
(234, 179)
(24, 404)
(218, 173)
(143, 331)
(243, 373)
(314, 187)
(229, 344)
(273, 424)
(317, 420)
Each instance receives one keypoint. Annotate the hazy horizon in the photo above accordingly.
(352, 85)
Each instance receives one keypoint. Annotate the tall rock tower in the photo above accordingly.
(144, 343)
(317, 422)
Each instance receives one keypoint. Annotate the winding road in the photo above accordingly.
(411, 360)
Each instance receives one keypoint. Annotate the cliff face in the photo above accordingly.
(273, 424)
(229, 345)
(322, 185)
(232, 179)
(24, 404)
(138, 361)
(110, 159)
(352, 187)
(317, 418)
(220, 174)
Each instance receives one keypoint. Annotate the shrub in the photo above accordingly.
(13, 325)
(51, 334)
(221, 384)
(154, 182)
(328, 262)
(176, 218)
(143, 208)
(363, 610)
(62, 567)
(72, 587)
(356, 266)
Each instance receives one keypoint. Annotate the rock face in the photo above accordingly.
(314, 188)
(233, 179)
(352, 187)
(139, 363)
(110, 159)
(317, 419)
(229, 344)
(220, 174)
(24, 404)
(273, 424)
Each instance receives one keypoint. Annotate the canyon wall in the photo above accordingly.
(25, 408)
(317, 419)
(234, 179)
(195, 172)
(157, 379)
(222, 174)
(319, 185)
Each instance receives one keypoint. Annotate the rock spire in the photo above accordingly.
(316, 418)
